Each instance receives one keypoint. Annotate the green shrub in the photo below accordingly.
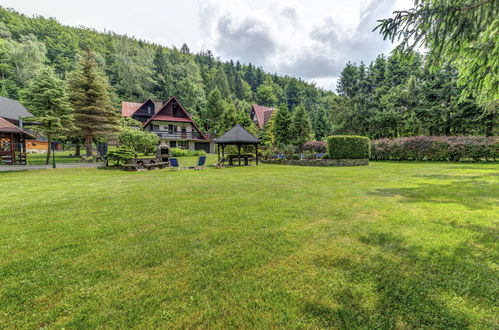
(348, 147)
(120, 155)
(176, 152)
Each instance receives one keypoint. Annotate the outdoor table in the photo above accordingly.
(244, 157)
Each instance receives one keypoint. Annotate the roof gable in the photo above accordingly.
(262, 114)
(129, 109)
(166, 114)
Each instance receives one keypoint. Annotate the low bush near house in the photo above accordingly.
(315, 146)
(120, 155)
(176, 152)
(348, 147)
(436, 148)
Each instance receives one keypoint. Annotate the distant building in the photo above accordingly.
(170, 121)
(261, 115)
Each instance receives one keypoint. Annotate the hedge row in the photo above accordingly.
(348, 147)
(436, 148)
(315, 146)
(177, 152)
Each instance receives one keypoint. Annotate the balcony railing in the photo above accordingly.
(177, 135)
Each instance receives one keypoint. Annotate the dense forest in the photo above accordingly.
(393, 96)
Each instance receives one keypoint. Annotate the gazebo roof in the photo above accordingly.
(237, 134)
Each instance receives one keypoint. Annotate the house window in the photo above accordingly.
(184, 129)
(173, 144)
(172, 129)
(183, 144)
(155, 127)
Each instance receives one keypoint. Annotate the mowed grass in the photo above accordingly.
(392, 245)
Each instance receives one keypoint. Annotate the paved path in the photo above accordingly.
(10, 168)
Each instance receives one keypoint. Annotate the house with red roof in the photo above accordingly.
(170, 121)
(261, 115)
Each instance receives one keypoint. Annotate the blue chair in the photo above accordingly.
(201, 162)
(174, 165)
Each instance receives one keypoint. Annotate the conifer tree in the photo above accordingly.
(282, 127)
(215, 108)
(300, 127)
(90, 96)
(46, 97)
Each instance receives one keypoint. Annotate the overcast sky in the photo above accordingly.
(312, 39)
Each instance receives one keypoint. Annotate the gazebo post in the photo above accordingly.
(218, 152)
(239, 153)
(223, 150)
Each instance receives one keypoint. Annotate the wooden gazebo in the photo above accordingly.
(239, 137)
(12, 140)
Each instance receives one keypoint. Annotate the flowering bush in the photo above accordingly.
(436, 148)
(315, 146)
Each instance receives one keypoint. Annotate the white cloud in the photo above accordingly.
(285, 38)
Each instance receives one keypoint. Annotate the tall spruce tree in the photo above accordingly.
(300, 126)
(90, 96)
(215, 109)
(282, 126)
(46, 97)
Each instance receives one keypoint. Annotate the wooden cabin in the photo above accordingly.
(12, 147)
(171, 122)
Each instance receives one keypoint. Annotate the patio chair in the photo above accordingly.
(174, 164)
(200, 164)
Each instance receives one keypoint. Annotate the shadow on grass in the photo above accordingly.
(412, 287)
(471, 191)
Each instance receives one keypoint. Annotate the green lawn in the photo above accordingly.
(392, 245)
(60, 157)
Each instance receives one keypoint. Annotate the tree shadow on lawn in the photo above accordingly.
(469, 191)
(411, 287)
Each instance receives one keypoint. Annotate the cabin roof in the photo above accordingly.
(129, 108)
(235, 135)
(171, 118)
(8, 127)
(263, 114)
(12, 109)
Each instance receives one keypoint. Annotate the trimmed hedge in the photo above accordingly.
(348, 147)
(177, 152)
(436, 148)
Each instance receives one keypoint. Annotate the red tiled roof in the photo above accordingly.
(262, 114)
(171, 118)
(128, 108)
(7, 127)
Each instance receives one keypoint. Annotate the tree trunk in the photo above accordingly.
(49, 149)
(78, 150)
(88, 145)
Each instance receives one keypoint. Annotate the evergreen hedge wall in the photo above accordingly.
(348, 147)
(436, 148)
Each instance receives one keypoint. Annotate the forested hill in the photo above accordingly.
(138, 70)
(393, 96)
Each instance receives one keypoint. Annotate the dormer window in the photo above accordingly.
(149, 110)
